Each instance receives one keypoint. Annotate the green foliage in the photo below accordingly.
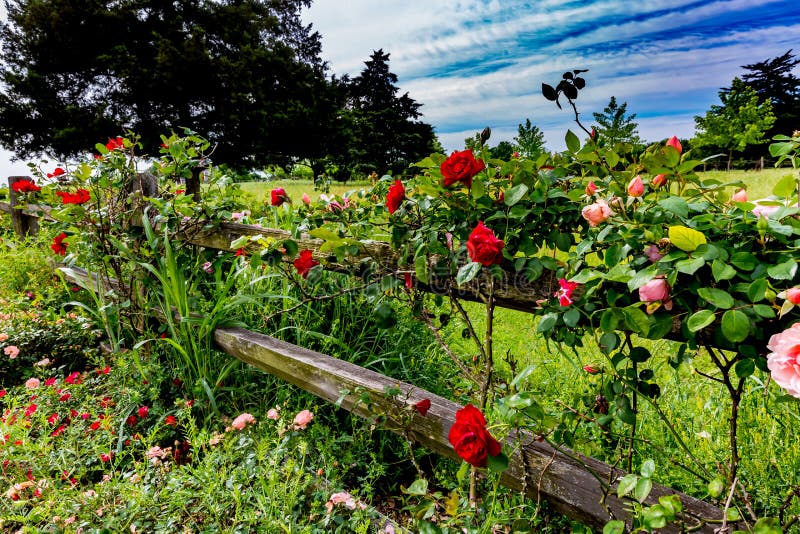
(530, 140)
(615, 125)
(773, 81)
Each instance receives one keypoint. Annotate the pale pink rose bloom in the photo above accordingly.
(274, 414)
(344, 498)
(764, 211)
(674, 143)
(636, 187)
(11, 351)
(596, 213)
(302, 419)
(242, 421)
(739, 196)
(783, 360)
(32, 383)
(654, 290)
(3, 337)
(306, 199)
(155, 452)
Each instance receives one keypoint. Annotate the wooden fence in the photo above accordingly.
(577, 486)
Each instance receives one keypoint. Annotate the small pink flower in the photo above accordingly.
(3, 337)
(306, 199)
(739, 196)
(208, 267)
(591, 370)
(143, 411)
(343, 498)
(591, 189)
(674, 143)
(565, 293)
(783, 361)
(596, 213)
(32, 383)
(11, 351)
(302, 419)
(105, 458)
(656, 289)
(653, 253)
(658, 180)
(763, 210)
(242, 421)
(636, 187)
(274, 413)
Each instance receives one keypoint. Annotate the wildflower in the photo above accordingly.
(65, 397)
(470, 439)
(30, 410)
(32, 383)
(483, 247)
(3, 336)
(143, 411)
(658, 180)
(302, 419)
(50, 381)
(739, 196)
(105, 458)
(241, 252)
(423, 406)
(783, 361)
(591, 189)
(131, 420)
(274, 413)
(171, 421)
(653, 253)
(306, 199)
(242, 421)
(58, 171)
(11, 351)
(591, 370)
(114, 144)
(73, 378)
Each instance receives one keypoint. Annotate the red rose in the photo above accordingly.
(58, 245)
(484, 247)
(395, 196)
(25, 186)
(305, 263)
(114, 144)
(56, 173)
(143, 411)
(470, 439)
(278, 196)
(423, 406)
(461, 167)
(78, 197)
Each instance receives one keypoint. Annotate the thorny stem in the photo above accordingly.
(486, 380)
(577, 115)
(735, 393)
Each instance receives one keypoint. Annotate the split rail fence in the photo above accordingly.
(575, 485)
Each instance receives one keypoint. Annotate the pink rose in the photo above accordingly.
(674, 143)
(306, 199)
(32, 383)
(653, 253)
(739, 196)
(793, 295)
(11, 351)
(302, 419)
(208, 267)
(764, 211)
(658, 180)
(565, 293)
(3, 337)
(596, 213)
(636, 187)
(783, 360)
(242, 421)
(274, 414)
(654, 290)
(591, 370)
(591, 189)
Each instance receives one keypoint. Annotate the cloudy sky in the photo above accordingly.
(474, 63)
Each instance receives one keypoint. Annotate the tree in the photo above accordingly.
(741, 120)
(387, 134)
(614, 125)
(504, 151)
(530, 140)
(247, 74)
(773, 80)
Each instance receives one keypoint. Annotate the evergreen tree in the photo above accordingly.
(741, 120)
(614, 125)
(773, 80)
(247, 74)
(530, 140)
(387, 133)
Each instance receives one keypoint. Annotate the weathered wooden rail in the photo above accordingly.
(580, 487)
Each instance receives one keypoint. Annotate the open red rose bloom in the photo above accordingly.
(461, 167)
(484, 247)
(395, 196)
(25, 186)
(470, 439)
(78, 197)
(304, 263)
(278, 196)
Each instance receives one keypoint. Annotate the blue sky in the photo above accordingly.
(481, 63)
(475, 63)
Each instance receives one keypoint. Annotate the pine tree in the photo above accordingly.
(530, 140)
(614, 125)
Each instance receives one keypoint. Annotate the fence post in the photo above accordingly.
(24, 225)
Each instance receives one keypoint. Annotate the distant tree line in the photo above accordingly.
(247, 74)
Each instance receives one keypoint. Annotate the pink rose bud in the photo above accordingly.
(306, 199)
(591, 189)
(658, 180)
(674, 143)
(596, 213)
(655, 290)
(591, 370)
(739, 196)
(636, 187)
(515, 155)
(793, 295)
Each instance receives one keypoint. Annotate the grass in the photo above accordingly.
(759, 184)
(295, 189)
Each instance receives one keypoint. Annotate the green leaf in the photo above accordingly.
(426, 527)
(722, 271)
(324, 234)
(762, 310)
(614, 527)
(653, 517)
(744, 261)
(700, 320)
(767, 525)
(735, 326)
(515, 194)
(757, 290)
(686, 239)
(716, 487)
(642, 489)
(609, 321)
(573, 143)
(636, 320)
(716, 297)
(786, 187)
(648, 468)
(676, 205)
(572, 317)
(745, 368)
(497, 464)
(418, 487)
(467, 272)
(421, 268)
(384, 315)
(690, 266)
(519, 400)
(626, 484)
(547, 322)
(783, 271)
(525, 373)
